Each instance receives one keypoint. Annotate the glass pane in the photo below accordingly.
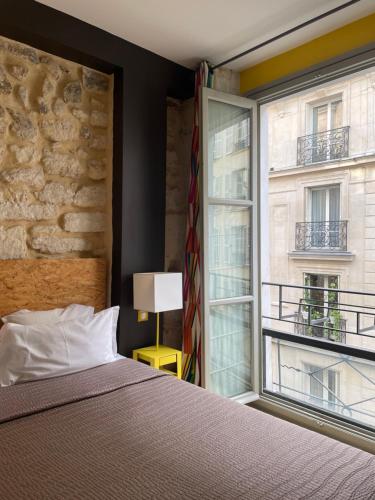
(230, 349)
(334, 203)
(341, 384)
(336, 114)
(318, 205)
(228, 151)
(229, 251)
(320, 118)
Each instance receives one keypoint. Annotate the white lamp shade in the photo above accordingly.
(157, 292)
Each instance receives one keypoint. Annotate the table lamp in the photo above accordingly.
(157, 292)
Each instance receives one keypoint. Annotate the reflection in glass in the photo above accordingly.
(228, 151)
(338, 383)
(229, 251)
(230, 350)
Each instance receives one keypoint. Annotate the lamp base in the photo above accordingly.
(157, 331)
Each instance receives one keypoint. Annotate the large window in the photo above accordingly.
(229, 227)
(317, 163)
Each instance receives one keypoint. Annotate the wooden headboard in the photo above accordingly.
(42, 284)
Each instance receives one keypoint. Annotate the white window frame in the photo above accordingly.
(320, 188)
(316, 104)
(251, 203)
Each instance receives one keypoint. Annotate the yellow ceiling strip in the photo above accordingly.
(350, 36)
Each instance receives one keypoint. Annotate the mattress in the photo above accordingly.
(124, 430)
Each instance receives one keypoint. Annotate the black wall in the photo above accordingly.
(143, 80)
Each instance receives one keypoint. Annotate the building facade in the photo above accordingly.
(320, 161)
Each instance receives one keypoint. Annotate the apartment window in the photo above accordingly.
(218, 145)
(327, 138)
(324, 214)
(229, 140)
(323, 386)
(327, 116)
(242, 140)
(321, 300)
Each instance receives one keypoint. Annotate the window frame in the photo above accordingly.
(251, 204)
(346, 64)
(327, 101)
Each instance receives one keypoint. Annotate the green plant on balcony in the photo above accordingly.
(334, 315)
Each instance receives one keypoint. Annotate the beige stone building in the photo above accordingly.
(320, 169)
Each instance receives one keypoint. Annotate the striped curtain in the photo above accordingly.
(192, 320)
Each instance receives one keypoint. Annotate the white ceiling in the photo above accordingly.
(191, 30)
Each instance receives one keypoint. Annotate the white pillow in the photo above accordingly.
(32, 352)
(26, 317)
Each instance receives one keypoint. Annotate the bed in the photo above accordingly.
(125, 430)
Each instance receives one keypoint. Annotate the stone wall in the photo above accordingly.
(179, 130)
(55, 156)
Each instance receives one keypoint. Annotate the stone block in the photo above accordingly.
(80, 115)
(18, 71)
(25, 211)
(93, 80)
(91, 196)
(369, 278)
(64, 164)
(59, 129)
(22, 126)
(46, 229)
(73, 92)
(23, 96)
(370, 220)
(47, 87)
(99, 119)
(97, 104)
(31, 176)
(85, 132)
(23, 51)
(369, 266)
(23, 154)
(58, 245)
(98, 142)
(97, 169)
(13, 243)
(84, 222)
(57, 193)
(43, 105)
(59, 107)
(53, 68)
(369, 232)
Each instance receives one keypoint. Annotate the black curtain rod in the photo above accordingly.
(288, 32)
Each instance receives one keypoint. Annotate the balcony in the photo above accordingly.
(320, 354)
(323, 146)
(325, 235)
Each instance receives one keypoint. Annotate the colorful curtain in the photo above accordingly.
(192, 321)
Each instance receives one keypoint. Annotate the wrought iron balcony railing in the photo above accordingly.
(325, 235)
(319, 346)
(323, 146)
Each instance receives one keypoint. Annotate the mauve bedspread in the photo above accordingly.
(126, 431)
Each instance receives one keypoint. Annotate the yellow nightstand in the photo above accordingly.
(160, 357)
